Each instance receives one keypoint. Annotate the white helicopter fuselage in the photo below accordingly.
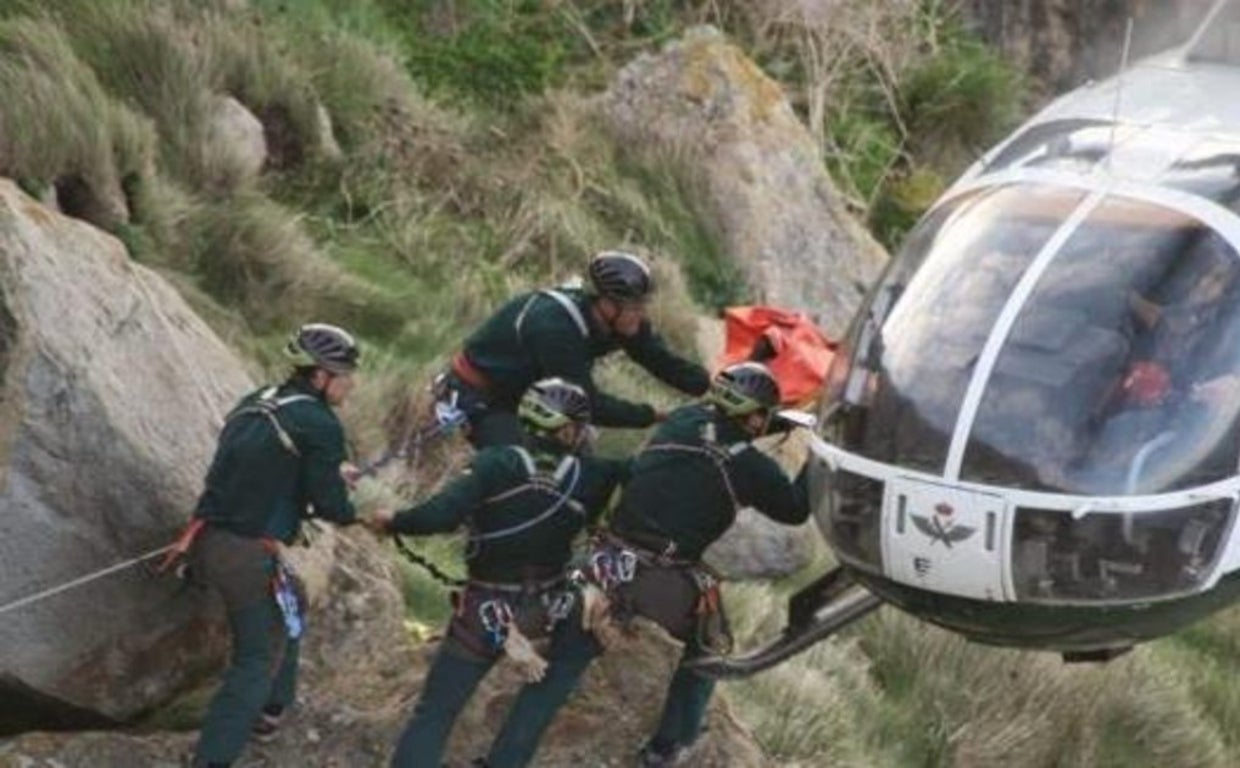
(1041, 402)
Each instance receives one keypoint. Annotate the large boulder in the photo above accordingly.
(111, 392)
(758, 176)
(236, 143)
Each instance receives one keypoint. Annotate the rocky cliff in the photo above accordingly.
(1063, 43)
(110, 393)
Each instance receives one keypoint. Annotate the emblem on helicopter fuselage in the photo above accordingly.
(941, 527)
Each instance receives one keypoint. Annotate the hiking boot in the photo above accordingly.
(658, 756)
(267, 726)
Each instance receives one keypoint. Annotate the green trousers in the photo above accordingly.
(262, 670)
(684, 710)
(668, 595)
(456, 673)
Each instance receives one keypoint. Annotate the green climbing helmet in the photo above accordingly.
(744, 388)
(553, 403)
(323, 346)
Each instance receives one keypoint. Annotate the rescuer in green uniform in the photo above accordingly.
(561, 332)
(687, 485)
(280, 453)
(522, 506)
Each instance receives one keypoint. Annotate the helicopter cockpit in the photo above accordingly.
(1042, 402)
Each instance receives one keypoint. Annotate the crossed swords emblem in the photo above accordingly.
(941, 527)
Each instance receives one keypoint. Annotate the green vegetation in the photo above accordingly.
(892, 691)
(468, 163)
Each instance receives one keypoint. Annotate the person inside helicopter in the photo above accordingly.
(1182, 374)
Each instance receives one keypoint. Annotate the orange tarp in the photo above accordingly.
(802, 353)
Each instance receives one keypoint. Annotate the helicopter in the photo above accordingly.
(1031, 433)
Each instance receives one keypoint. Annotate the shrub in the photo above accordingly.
(491, 52)
(58, 126)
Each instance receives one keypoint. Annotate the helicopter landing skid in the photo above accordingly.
(815, 613)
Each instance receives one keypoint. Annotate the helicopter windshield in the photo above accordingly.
(1121, 374)
(920, 337)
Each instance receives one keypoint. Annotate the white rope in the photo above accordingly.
(52, 591)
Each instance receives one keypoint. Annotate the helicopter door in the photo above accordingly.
(944, 539)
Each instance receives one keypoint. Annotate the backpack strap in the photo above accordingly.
(719, 456)
(266, 405)
(568, 469)
(564, 301)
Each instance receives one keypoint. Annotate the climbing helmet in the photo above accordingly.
(553, 403)
(324, 346)
(743, 388)
(620, 276)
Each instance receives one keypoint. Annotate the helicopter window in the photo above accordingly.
(1116, 556)
(854, 526)
(918, 339)
(1121, 374)
(1075, 144)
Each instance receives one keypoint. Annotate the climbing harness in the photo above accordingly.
(711, 631)
(611, 567)
(267, 405)
(719, 455)
(558, 604)
(496, 615)
(287, 599)
(174, 558)
(569, 468)
(447, 416)
(560, 298)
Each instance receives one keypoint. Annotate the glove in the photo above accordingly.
(350, 474)
(596, 617)
(519, 648)
(380, 522)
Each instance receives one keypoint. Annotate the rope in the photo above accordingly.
(412, 445)
(422, 562)
(201, 378)
(65, 587)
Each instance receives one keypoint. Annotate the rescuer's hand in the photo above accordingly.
(380, 522)
(596, 617)
(350, 474)
(519, 648)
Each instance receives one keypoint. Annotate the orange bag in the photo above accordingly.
(801, 353)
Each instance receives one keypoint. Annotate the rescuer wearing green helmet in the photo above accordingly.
(522, 506)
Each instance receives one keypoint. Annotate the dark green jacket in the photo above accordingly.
(256, 487)
(538, 550)
(550, 342)
(681, 496)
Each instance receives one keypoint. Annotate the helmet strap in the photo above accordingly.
(570, 435)
(750, 425)
(606, 311)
